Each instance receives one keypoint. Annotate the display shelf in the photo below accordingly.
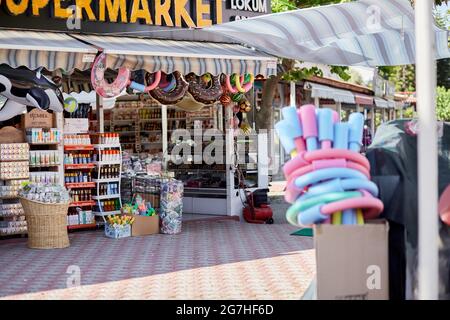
(106, 213)
(14, 160)
(9, 198)
(45, 165)
(13, 234)
(106, 197)
(79, 166)
(106, 146)
(82, 226)
(80, 185)
(107, 163)
(81, 147)
(150, 120)
(43, 143)
(82, 204)
(15, 178)
(106, 180)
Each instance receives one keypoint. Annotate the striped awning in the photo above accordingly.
(363, 99)
(184, 56)
(391, 104)
(326, 92)
(44, 49)
(360, 33)
(381, 103)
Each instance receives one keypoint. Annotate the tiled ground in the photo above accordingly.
(208, 260)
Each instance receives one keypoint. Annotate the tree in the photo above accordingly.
(404, 76)
(443, 104)
(264, 118)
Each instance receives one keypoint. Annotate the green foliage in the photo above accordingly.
(443, 73)
(298, 74)
(404, 77)
(443, 104)
(409, 113)
(342, 72)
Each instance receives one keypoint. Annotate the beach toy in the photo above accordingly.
(243, 84)
(101, 86)
(143, 88)
(70, 104)
(309, 125)
(206, 92)
(329, 182)
(173, 93)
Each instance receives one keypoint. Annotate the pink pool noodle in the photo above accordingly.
(309, 126)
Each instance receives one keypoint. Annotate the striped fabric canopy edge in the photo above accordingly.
(183, 56)
(360, 33)
(53, 51)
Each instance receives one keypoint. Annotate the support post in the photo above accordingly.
(428, 267)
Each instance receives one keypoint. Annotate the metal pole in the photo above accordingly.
(292, 94)
(428, 268)
(100, 114)
(372, 120)
(165, 136)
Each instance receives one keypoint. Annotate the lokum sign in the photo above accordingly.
(103, 13)
(248, 6)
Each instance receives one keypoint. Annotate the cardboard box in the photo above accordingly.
(352, 261)
(144, 226)
(37, 118)
(73, 126)
(118, 232)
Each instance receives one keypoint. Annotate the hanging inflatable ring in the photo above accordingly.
(103, 88)
(243, 84)
(206, 94)
(145, 89)
(173, 96)
(229, 86)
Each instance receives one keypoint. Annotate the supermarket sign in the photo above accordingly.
(102, 14)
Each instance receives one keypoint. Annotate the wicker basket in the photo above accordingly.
(47, 224)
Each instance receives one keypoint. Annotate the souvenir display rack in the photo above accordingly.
(139, 123)
(107, 174)
(14, 169)
(78, 179)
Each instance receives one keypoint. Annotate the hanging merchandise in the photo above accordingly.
(171, 94)
(328, 180)
(101, 86)
(123, 80)
(241, 84)
(30, 88)
(171, 206)
(206, 89)
(70, 105)
(10, 109)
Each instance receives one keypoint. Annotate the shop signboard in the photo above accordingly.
(390, 90)
(383, 88)
(134, 16)
(378, 85)
(38, 119)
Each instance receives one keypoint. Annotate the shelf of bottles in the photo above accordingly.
(107, 174)
(78, 179)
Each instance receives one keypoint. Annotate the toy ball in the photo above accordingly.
(244, 106)
(206, 78)
(70, 104)
(237, 97)
(225, 99)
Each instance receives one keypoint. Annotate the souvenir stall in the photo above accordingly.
(149, 89)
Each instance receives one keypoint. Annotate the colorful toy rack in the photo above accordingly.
(328, 180)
